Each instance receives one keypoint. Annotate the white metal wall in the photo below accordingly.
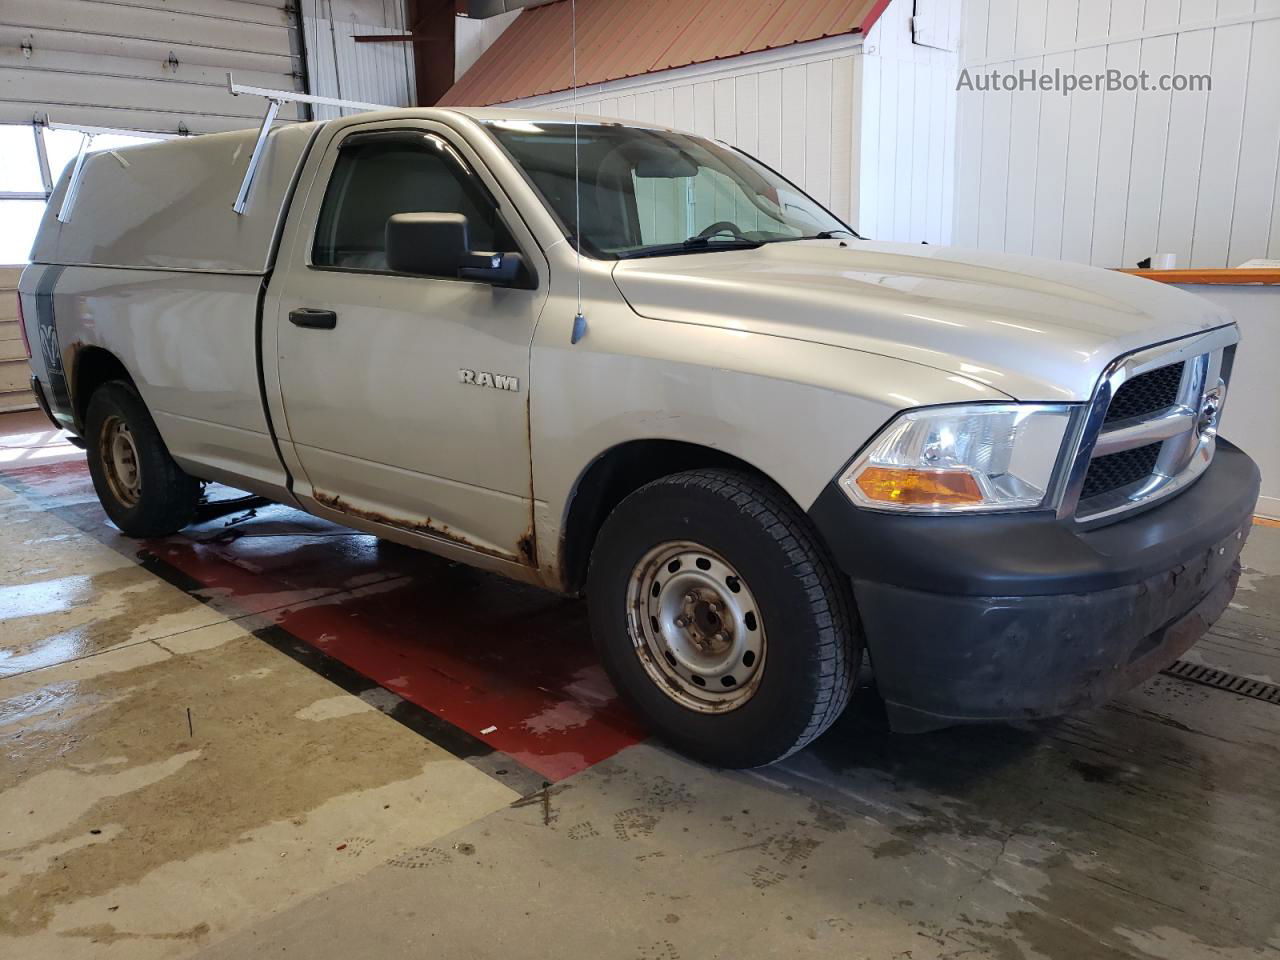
(474, 37)
(1110, 178)
(339, 67)
(908, 124)
(149, 65)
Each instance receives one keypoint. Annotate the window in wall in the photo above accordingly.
(27, 180)
(376, 178)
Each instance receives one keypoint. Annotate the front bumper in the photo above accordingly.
(994, 617)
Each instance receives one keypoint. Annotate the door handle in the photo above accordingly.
(313, 319)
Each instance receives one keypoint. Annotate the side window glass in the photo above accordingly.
(378, 177)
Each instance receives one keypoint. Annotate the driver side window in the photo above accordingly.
(377, 177)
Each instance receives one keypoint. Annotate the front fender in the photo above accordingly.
(794, 410)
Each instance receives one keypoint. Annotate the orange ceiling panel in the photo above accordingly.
(628, 38)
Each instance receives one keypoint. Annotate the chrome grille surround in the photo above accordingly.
(1186, 431)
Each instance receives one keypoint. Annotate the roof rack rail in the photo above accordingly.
(87, 135)
(275, 99)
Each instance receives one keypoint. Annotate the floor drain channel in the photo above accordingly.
(1221, 680)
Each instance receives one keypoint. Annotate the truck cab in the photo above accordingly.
(627, 362)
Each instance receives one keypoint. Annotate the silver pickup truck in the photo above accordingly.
(760, 444)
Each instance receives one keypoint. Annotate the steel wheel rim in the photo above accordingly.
(120, 462)
(696, 627)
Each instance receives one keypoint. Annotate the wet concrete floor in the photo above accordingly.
(273, 737)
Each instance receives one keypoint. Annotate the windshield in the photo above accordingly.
(653, 192)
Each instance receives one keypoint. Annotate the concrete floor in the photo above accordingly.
(272, 737)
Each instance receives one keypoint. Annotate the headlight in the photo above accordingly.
(964, 458)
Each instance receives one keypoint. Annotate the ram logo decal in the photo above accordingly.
(49, 348)
(481, 378)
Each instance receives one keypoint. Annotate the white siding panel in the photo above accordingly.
(996, 118)
(1083, 142)
(969, 156)
(1051, 164)
(793, 123)
(1115, 153)
(1150, 143)
(704, 109)
(843, 116)
(1256, 184)
(769, 117)
(908, 100)
(1024, 151)
(747, 113)
(1212, 232)
(868, 188)
(1186, 149)
(1120, 175)
(817, 114)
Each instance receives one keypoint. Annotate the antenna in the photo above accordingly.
(580, 319)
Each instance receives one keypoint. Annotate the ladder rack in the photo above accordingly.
(275, 99)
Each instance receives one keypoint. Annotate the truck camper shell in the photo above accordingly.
(167, 205)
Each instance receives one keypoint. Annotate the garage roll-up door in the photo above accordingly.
(153, 65)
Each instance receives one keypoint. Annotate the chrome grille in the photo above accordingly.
(1146, 394)
(1151, 427)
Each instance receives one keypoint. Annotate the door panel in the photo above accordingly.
(379, 418)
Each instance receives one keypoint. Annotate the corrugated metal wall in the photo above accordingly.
(341, 68)
(1110, 178)
(148, 65)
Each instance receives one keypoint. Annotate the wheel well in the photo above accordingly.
(94, 366)
(612, 477)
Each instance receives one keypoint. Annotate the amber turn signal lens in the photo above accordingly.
(921, 487)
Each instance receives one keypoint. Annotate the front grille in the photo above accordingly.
(1117, 470)
(1146, 394)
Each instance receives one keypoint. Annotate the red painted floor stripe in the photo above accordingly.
(475, 649)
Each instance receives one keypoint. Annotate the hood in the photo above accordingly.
(1038, 330)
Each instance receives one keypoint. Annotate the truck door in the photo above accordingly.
(404, 399)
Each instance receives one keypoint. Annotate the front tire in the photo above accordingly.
(721, 619)
(144, 492)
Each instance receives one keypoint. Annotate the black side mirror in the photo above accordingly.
(439, 245)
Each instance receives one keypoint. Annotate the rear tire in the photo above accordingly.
(144, 492)
(721, 619)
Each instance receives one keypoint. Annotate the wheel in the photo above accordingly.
(721, 619)
(142, 490)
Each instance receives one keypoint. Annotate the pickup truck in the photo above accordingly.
(612, 359)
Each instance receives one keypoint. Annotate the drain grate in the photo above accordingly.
(1221, 680)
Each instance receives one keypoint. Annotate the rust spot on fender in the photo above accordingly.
(524, 546)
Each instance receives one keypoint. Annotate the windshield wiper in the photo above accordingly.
(692, 245)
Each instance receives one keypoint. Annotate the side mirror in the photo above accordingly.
(439, 245)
